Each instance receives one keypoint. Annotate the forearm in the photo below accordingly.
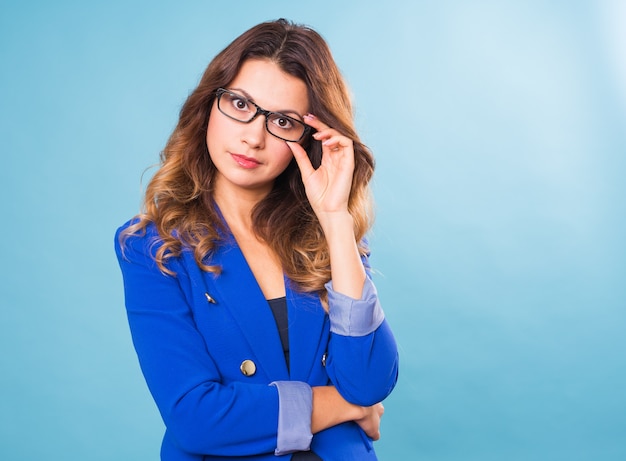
(330, 409)
(362, 349)
(304, 411)
(347, 271)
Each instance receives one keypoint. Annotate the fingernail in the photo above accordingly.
(311, 116)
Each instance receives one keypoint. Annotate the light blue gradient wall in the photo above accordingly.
(500, 134)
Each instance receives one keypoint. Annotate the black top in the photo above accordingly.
(279, 309)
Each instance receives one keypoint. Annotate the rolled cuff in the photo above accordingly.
(295, 405)
(354, 317)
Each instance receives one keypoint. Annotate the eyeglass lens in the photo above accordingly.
(243, 110)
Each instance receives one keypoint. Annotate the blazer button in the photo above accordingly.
(247, 367)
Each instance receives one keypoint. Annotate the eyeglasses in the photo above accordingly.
(240, 108)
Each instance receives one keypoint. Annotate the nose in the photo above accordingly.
(254, 132)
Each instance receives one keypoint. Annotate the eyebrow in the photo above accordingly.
(248, 96)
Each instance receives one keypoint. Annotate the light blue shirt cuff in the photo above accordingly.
(295, 404)
(354, 317)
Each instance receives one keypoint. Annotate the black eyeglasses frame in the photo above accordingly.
(260, 111)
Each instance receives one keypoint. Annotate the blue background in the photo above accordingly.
(499, 131)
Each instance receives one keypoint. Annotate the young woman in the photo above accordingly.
(257, 327)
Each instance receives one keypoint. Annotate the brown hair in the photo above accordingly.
(179, 199)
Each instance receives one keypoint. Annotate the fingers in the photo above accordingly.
(370, 423)
(379, 410)
(330, 137)
(314, 122)
(328, 186)
(334, 143)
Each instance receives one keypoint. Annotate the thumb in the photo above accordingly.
(302, 159)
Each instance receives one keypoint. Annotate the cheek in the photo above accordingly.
(215, 131)
(283, 155)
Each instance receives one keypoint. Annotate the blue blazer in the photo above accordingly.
(192, 332)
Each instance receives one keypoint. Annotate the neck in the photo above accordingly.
(236, 206)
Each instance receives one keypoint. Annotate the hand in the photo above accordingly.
(328, 187)
(370, 422)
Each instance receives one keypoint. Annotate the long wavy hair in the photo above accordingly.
(179, 197)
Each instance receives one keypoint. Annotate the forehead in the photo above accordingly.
(270, 87)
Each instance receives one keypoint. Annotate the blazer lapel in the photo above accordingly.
(236, 289)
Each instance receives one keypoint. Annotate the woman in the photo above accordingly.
(246, 280)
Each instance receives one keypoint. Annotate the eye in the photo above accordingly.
(239, 103)
(283, 122)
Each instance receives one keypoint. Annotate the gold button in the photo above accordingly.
(248, 368)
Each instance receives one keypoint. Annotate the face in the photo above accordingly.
(246, 156)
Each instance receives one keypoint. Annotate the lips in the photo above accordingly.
(245, 162)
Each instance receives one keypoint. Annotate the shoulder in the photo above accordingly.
(137, 245)
(126, 237)
(142, 248)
